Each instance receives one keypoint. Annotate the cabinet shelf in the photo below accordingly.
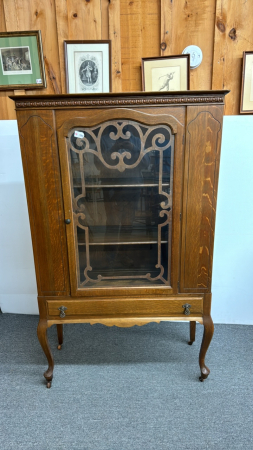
(123, 243)
(122, 185)
(97, 186)
(135, 236)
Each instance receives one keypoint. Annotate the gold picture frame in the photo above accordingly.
(21, 60)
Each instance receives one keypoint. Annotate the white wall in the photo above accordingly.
(18, 291)
(233, 251)
(233, 245)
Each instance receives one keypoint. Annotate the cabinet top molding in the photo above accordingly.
(119, 99)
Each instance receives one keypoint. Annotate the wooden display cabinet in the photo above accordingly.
(121, 192)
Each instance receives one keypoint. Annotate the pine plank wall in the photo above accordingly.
(222, 28)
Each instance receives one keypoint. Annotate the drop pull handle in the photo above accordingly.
(186, 307)
(62, 310)
(67, 221)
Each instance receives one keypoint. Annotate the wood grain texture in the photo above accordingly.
(101, 116)
(222, 29)
(60, 335)
(203, 135)
(36, 15)
(105, 19)
(127, 322)
(42, 178)
(19, 92)
(7, 107)
(196, 120)
(43, 340)
(192, 332)
(126, 307)
(76, 20)
(233, 35)
(91, 118)
(140, 38)
(114, 35)
(190, 23)
(166, 27)
(207, 337)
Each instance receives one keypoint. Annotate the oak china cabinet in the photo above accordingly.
(121, 191)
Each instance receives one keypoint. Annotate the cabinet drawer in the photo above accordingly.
(126, 307)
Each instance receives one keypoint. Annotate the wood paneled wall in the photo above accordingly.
(137, 28)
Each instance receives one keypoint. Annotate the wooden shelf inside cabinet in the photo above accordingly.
(98, 186)
(124, 185)
(133, 236)
(123, 226)
(123, 243)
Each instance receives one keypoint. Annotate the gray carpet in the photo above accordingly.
(122, 389)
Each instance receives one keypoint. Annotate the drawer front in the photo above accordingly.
(126, 308)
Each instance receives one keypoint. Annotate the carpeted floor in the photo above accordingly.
(125, 389)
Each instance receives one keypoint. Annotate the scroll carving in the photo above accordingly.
(122, 156)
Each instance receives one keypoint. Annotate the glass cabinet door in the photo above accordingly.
(121, 179)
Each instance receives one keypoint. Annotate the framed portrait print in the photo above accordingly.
(166, 73)
(88, 66)
(21, 60)
(247, 84)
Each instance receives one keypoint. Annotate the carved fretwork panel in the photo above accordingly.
(121, 178)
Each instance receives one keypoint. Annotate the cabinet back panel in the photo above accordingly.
(43, 189)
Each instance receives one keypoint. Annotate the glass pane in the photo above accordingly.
(121, 178)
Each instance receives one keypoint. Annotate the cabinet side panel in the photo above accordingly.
(44, 197)
(203, 137)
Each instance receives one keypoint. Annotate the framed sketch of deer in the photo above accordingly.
(166, 73)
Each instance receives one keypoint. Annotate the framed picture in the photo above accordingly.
(88, 66)
(166, 73)
(247, 84)
(21, 60)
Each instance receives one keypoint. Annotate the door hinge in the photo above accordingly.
(178, 285)
(183, 140)
(180, 217)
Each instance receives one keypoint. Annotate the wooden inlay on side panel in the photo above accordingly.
(42, 178)
(201, 172)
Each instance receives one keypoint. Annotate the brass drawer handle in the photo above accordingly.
(187, 307)
(62, 310)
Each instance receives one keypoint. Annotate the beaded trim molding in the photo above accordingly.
(119, 102)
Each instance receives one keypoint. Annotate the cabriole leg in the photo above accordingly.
(207, 337)
(42, 335)
(60, 335)
(192, 332)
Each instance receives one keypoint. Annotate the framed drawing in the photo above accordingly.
(21, 60)
(247, 84)
(88, 66)
(166, 73)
